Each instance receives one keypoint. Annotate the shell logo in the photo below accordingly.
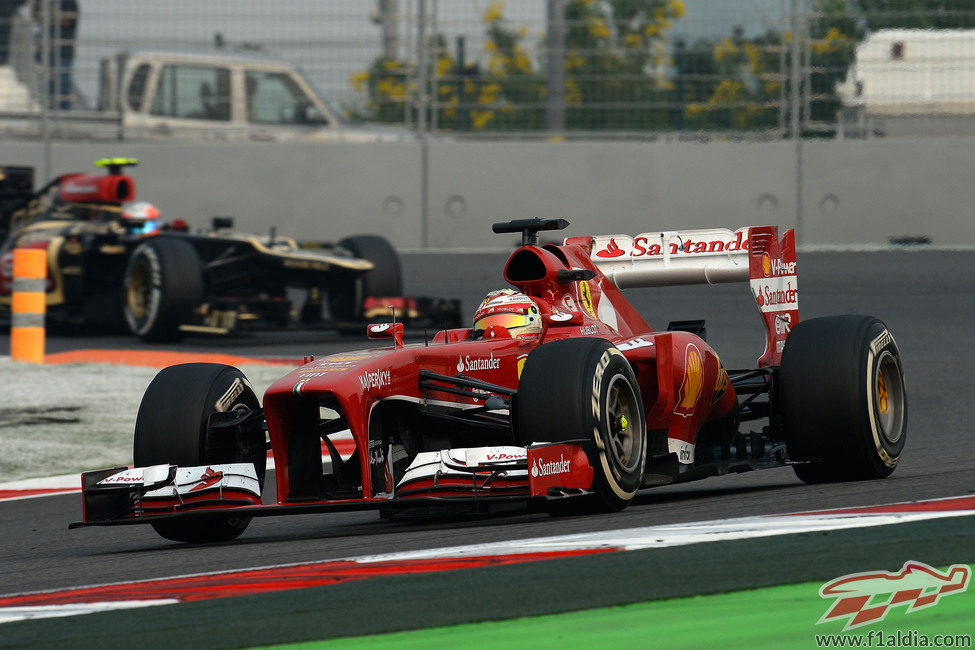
(690, 388)
(720, 386)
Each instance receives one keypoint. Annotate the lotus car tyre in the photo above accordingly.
(163, 282)
(842, 398)
(385, 279)
(586, 389)
(174, 425)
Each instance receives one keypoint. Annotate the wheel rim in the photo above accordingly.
(624, 424)
(137, 295)
(889, 397)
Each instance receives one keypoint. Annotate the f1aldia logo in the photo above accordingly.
(865, 598)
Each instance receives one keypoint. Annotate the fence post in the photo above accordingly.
(795, 107)
(555, 68)
(28, 305)
(422, 124)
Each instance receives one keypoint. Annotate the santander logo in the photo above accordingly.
(612, 250)
(560, 466)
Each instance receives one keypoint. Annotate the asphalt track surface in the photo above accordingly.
(927, 299)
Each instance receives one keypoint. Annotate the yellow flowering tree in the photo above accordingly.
(511, 88)
(617, 63)
(740, 84)
(616, 66)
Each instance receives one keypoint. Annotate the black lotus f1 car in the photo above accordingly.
(162, 280)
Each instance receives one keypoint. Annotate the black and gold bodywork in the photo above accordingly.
(95, 277)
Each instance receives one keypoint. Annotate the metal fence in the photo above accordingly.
(690, 69)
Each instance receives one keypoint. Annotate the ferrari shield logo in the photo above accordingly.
(585, 297)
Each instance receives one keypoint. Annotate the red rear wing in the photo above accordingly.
(710, 256)
(775, 287)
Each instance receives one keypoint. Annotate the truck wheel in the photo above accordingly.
(173, 427)
(163, 283)
(385, 279)
(585, 389)
(842, 399)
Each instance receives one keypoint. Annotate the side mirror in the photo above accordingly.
(312, 115)
(387, 331)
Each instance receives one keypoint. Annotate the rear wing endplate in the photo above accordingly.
(710, 256)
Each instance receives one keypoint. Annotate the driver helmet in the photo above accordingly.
(141, 217)
(511, 310)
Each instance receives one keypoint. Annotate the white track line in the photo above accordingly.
(613, 540)
(11, 614)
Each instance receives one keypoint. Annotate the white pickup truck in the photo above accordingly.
(213, 95)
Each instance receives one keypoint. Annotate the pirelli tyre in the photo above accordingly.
(585, 389)
(174, 426)
(163, 283)
(385, 278)
(842, 399)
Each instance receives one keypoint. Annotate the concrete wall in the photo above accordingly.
(854, 192)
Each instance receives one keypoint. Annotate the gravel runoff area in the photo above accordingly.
(65, 418)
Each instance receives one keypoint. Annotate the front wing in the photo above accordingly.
(480, 477)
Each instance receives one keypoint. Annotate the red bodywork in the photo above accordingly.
(92, 188)
(681, 379)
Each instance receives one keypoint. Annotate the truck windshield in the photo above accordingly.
(277, 98)
(194, 92)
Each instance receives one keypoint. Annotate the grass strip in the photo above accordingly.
(775, 617)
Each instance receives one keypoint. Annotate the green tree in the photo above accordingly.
(834, 31)
(920, 14)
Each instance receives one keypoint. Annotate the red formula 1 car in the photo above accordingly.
(560, 397)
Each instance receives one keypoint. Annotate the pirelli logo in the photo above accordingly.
(881, 341)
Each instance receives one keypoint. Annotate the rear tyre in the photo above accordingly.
(585, 389)
(842, 399)
(173, 427)
(385, 279)
(163, 282)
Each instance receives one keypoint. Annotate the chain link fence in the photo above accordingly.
(675, 69)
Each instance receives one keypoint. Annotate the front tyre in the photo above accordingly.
(586, 389)
(163, 282)
(842, 399)
(173, 427)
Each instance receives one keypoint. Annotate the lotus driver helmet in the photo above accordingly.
(141, 217)
(511, 310)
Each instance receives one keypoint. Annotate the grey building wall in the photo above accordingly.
(853, 192)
